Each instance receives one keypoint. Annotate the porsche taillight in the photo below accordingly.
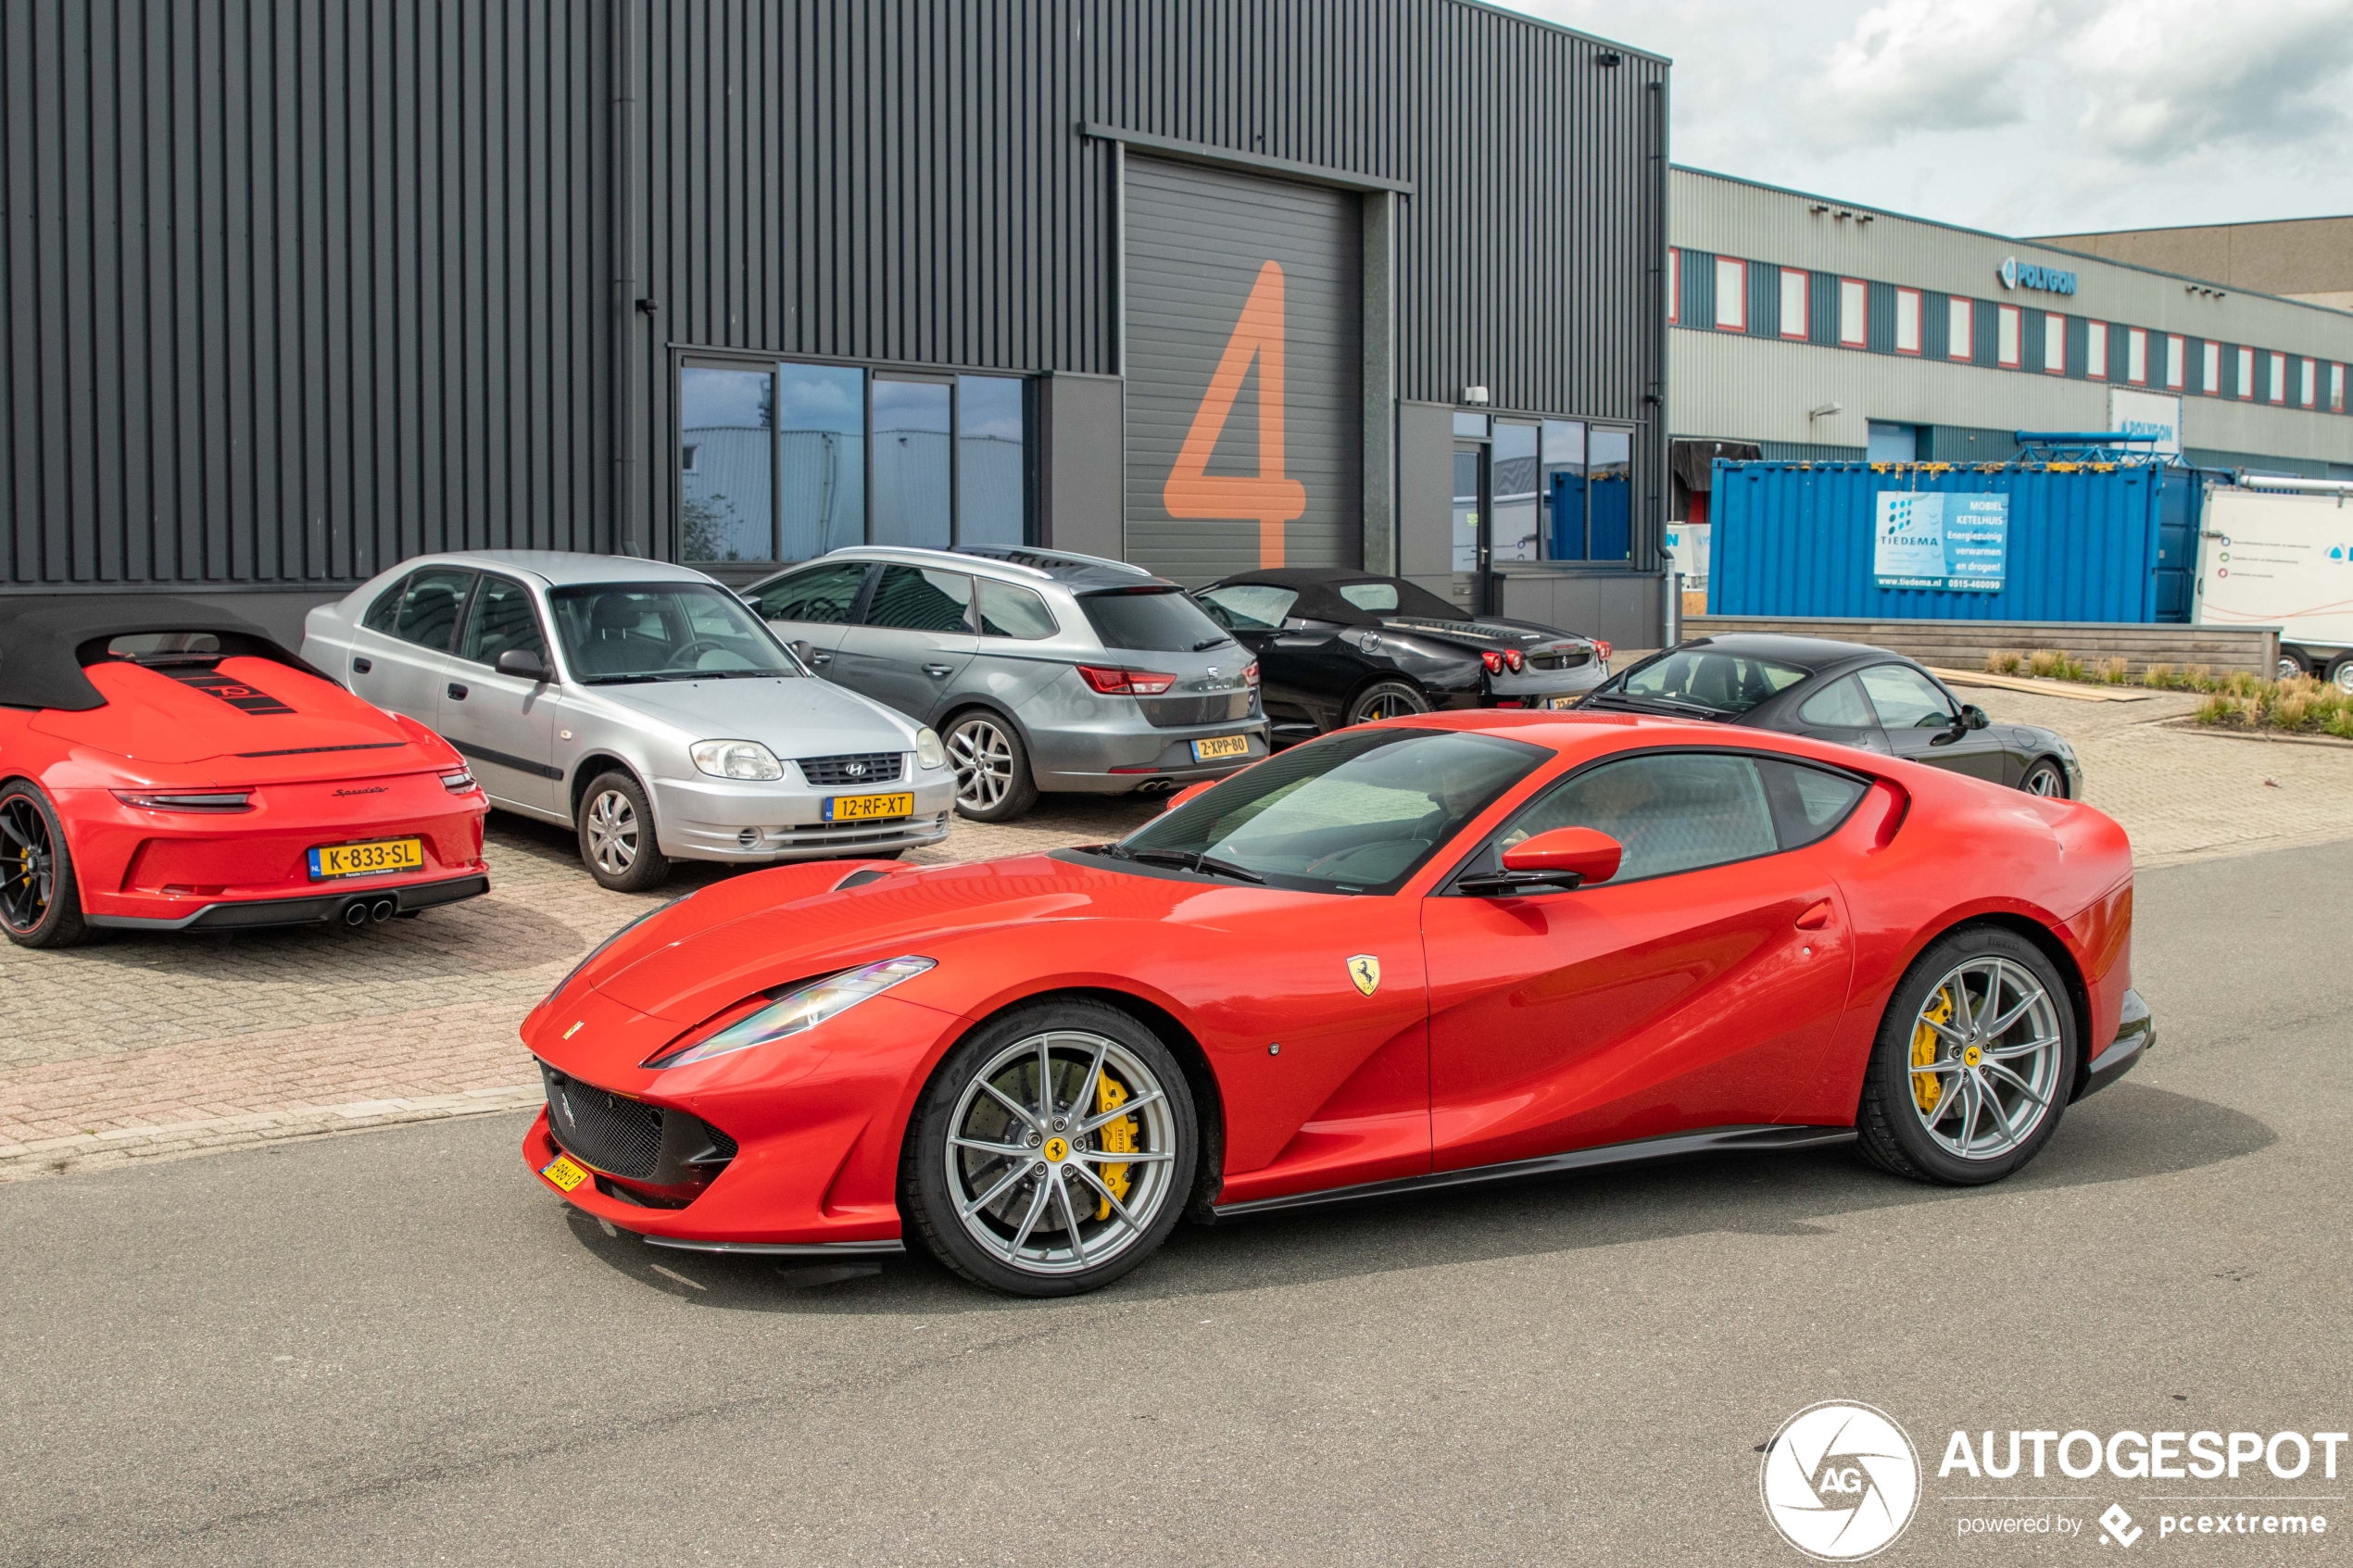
(1113, 682)
(186, 800)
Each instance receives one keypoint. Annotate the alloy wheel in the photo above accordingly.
(1061, 1152)
(983, 758)
(1387, 705)
(28, 866)
(1986, 1052)
(612, 832)
(2044, 780)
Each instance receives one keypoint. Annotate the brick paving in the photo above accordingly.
(141, 1047)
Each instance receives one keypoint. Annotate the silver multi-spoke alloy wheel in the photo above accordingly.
(2045, 779)
(983, 758)
(1986, 1057)
(1061, 1153)
(612, 832)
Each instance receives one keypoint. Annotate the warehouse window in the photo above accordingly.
(1795, 287)
(2054, 344)
(2177, 361)
(1584, 491)
(1674, 285)
(1731, 294)
(1853, 312)
(2309, 379)
(2210, 377)
(2136, 357)
(1960, 327)
(2011, 324)
(2247, 373)
(1907, 320)
(2336, 389)
(2095, 350)
(2279, 378)
(786, 462)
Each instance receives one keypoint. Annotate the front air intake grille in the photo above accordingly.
(852, 770)
(608, 1131)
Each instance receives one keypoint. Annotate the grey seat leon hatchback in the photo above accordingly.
(1040, 669)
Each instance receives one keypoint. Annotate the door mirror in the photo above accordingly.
(1189, 792)
(1973, 717)
(521, 664)
(1579, 853)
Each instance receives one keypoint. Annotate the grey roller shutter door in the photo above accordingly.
(1199, 245)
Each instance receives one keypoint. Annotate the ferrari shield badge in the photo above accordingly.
(1365, 970)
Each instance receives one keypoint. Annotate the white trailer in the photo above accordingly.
(2280, 553)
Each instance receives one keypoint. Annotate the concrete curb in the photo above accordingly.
(2268, 737)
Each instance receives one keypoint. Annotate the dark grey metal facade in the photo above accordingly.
(296, 287)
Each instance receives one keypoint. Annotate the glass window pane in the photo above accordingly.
(1563, 492)
(820, 458)
(1157, 621)
(1839, 706)
(726, 507)
(1514, 471)
(1906, 699)
(1465, 511)
(1674, 812)
(1010, 612)
(387, 609)
(912, 496)
(615, 634)
(1470, 424)
(1610, 493)
(502, 620)
(429, 607)
(919, 599)
(990, 465)
(823, 595)
(1808, 802)
(1250, 606)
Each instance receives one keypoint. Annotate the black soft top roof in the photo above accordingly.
(1320, 597)
(45, 642)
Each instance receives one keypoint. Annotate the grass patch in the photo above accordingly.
(2298, 706)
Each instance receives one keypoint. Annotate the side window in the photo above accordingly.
(1251, 607)
(919, 599)
(1808, 803)
(1906, 699)
(1669, 811)
(429, 607)
(1839, 706)
(382, 614)
(1010, 612)
(823, 594)
(503, 619)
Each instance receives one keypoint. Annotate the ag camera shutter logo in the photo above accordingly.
(1840, 1481)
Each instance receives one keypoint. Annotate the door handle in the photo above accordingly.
(820, 659)
(939, 671)
(1817, 917)
(363, 665)
(456, 692)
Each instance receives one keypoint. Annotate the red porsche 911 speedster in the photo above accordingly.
(165, 766)
(1414, 954)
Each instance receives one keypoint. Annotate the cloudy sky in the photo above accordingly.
(2022, 116)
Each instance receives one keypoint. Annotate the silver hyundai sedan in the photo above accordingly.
(641, 705)
(1044, 669)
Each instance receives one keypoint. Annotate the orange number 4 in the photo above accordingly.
(1192, 491)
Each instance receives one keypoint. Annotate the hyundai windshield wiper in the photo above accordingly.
(1186, 860)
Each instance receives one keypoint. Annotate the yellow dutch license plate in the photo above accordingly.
(1564, 702)
(1216, 747)
(563, 1173)
(869, 807)
(365, 859)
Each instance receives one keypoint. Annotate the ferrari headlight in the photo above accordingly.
(798, 1011)
(737, 759)
(928, 751)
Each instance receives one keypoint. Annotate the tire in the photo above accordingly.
(1386, 700)
(40, 900)
(1018, 1241)
(2341, 674)
(1931, 1126)
(2289, 667)
(2046, 778)
(993, 780)
(617, 842)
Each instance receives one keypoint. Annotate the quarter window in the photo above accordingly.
(1906, 699)
(387, 609)
(1008, 611)
(1839, 706)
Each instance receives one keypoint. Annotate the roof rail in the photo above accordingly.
(1045, 560)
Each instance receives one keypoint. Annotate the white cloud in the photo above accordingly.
(2028, 116)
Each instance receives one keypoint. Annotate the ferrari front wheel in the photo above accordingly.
(1052, 1150)
(1975, 1061)
(40, 902)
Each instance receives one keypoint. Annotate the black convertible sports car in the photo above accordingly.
(1338, 647)
(1842, 692)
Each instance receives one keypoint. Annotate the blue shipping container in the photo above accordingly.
(1799, 539)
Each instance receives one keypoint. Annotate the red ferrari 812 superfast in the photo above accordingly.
(1415, 953)
(165, 766)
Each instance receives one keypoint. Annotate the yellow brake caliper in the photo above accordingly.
(1113, 1137)
(1929, 1087)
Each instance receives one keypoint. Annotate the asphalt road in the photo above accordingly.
(395, 1347)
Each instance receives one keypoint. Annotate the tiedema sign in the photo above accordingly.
(1930, 539)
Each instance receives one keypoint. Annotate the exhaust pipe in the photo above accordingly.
(355, 914)
(382, 910)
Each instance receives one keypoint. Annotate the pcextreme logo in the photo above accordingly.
(1840, 1481)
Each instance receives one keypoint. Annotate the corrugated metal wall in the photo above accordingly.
(296, 287)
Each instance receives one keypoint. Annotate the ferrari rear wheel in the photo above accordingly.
(1387, 699)
(1975, 1059)
(40, 902)
(1052, 1151)
(617, 836)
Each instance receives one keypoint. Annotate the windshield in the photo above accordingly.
(1159, 620)
(1714, 680)
(617, 632)
(1354, 812)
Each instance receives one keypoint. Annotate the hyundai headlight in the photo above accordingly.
(928, 751)
(798, 1011)
(737, 759)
